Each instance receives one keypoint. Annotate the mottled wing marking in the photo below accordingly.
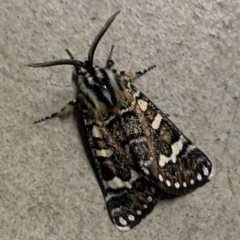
(181, 165)
(137, 150)
(127, 206)
(129, 196)
(139, 153)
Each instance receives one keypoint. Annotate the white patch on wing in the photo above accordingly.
(177, 185)
(149, 198)
(104, 152)
(127, 228)
(156, 122)
(199, 177)
(116, 182)
(139, 212)
(168, 183)
(176, 148)
(131, 217)
(205, 171)
(96, 132)
(163, 160)
(145, 171)
(160, 177)
(111, 195)
(122, 221)
(143, 105)
(135, 175)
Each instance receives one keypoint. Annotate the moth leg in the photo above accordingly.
(131, 76)
(77, 68)
(64, 112)
(111, 52)
(110, 62)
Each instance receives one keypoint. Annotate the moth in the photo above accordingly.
(139, 153)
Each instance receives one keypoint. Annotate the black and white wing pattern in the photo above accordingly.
(128, 194)
(139, 153)
(174, 163)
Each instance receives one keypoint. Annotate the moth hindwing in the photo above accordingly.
(139, 153)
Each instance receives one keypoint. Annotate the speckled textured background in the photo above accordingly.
(47, 186)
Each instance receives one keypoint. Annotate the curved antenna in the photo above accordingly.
(58, 62)
(99, 36)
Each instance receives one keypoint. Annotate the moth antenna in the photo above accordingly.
(90, 53)
(99, 36)
(70, 54)
(58, 62)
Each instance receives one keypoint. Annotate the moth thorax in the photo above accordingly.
(100, 89)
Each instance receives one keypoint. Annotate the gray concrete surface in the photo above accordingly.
(47, 187)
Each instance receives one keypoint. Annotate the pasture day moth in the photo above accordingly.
(139, 153)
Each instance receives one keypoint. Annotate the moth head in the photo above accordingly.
(98, 87)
